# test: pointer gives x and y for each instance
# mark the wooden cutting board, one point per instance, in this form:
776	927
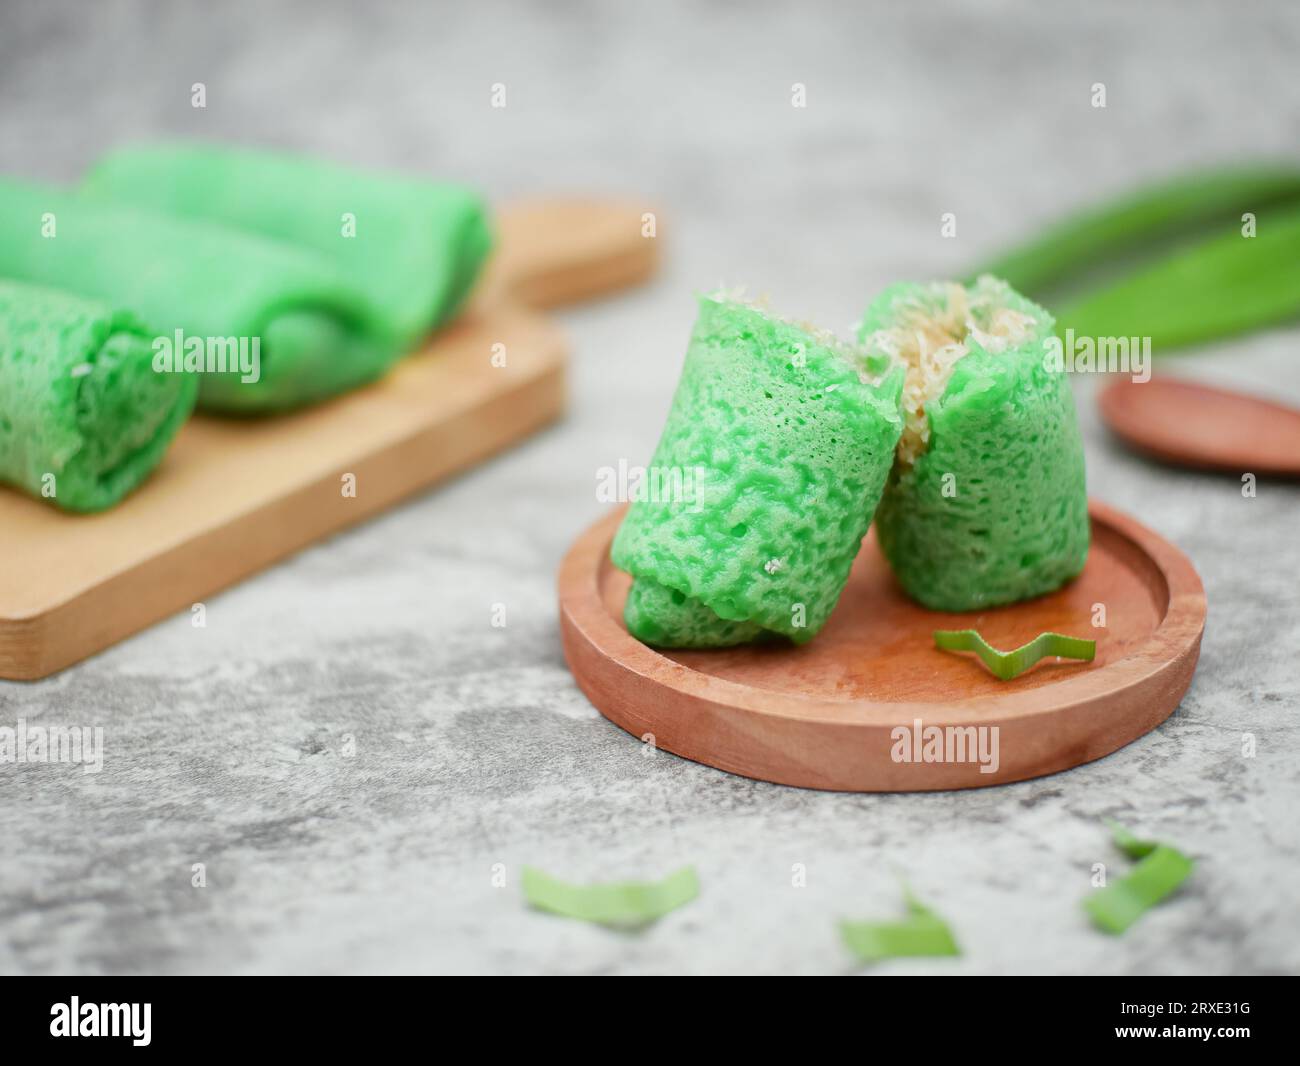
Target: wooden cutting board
231	497
846	710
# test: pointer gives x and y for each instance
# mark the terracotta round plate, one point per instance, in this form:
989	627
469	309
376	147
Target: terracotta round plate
871	705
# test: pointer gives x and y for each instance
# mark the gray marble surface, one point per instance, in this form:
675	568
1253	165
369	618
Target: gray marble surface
225	745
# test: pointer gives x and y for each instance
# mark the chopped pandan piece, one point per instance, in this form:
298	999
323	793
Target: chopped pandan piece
987	504
785	441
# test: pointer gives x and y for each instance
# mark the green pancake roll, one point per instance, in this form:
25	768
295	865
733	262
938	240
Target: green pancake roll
316	335
777	446
667	618
84	418
987	502
414	247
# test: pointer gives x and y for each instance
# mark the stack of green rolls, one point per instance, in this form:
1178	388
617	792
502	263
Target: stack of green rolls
785	446
83	417
267	282
414	248
947	423
318	335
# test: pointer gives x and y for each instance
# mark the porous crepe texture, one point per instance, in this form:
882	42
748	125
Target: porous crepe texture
414	247
789	451
79	398
666	618
319	335
1011	521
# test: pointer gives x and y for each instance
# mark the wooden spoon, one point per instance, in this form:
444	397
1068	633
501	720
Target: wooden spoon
1190	424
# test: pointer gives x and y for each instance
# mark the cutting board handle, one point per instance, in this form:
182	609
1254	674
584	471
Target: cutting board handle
553	252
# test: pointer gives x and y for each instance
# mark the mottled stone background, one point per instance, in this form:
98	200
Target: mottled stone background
474	746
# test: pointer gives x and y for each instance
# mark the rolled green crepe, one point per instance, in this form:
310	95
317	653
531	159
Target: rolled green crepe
773	457
987	503
232	295
83	416
414	247
667	618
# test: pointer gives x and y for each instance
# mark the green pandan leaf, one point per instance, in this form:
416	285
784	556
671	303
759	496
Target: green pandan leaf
1004	665
921	933
1144	221
1225	285
1160	870
1130	845
627	904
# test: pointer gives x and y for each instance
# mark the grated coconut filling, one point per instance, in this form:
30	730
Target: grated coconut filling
934	331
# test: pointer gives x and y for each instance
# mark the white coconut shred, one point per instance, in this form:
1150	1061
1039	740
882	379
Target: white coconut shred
933	331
